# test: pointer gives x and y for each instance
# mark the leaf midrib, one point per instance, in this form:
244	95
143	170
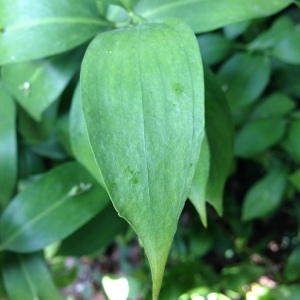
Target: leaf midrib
34	220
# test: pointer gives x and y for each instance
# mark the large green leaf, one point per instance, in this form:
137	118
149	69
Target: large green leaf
146	125
204	15
243	78
265	195
26	277
258	135
51	208
219	131
8	146
37	84
80	143
95	235
32	29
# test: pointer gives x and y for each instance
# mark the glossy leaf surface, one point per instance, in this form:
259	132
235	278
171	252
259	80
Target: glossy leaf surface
203	15
265	196
8	146
51	208
26	277
37	84
146	125
258	135
25	24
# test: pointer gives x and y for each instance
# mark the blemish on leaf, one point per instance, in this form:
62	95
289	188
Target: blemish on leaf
133	175
128	170
25	87
79	189
190	165
113	185
177	88
135	180
109	51
2	29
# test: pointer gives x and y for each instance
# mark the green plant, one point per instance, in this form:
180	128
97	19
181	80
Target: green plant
112	100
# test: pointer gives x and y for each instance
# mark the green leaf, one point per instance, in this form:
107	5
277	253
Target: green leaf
276	104
146	125
32	29
26	277
51	208
259	135
243	78
290	292
127	4
203	15
214	47
63	131
197	191
219	131
288	49
267	39
95	235
295	179
265	195
292	268
80	143
37	132
232	31
8	146
37	84
291	143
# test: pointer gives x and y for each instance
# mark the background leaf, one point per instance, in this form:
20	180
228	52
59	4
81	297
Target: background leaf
95	235
292	268
259	135
28	22
265	195
243	78
141	137
8	146
26	278
51	208
203	15
37	84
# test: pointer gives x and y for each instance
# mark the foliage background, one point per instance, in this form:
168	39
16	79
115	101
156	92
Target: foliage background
251	252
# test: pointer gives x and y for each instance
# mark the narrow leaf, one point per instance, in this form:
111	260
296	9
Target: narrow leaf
219	131
51	208
265	196
37	84
80	143
8	146
295	179
203	15
32	29
26	278
146	125
258	135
